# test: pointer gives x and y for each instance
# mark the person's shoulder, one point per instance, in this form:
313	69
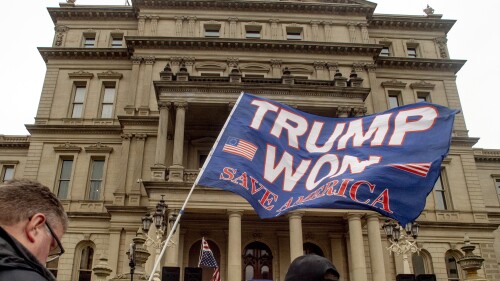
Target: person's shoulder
20	274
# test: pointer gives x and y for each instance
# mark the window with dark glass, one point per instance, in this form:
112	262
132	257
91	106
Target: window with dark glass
85	269
108	100
497	183
418	264
7	173
252	32
451	267
212	30
440	192
96	175
394	99
294	33
422	96
412	52
64	178
78	101
310	248
89	41
385	52
116	41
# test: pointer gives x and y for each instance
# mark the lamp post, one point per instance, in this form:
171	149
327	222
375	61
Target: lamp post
132	260
160	220
403	240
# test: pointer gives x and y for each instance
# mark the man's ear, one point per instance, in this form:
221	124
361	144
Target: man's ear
34	226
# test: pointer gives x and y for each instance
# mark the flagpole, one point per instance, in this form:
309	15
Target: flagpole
181	212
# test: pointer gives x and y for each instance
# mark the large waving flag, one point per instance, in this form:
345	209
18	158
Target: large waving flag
280	159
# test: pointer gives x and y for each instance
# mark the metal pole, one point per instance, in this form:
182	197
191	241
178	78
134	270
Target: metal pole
132	261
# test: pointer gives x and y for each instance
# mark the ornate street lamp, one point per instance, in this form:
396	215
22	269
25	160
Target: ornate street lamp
402	242
160	221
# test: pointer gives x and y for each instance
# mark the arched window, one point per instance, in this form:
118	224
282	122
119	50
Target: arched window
83	262
194	257
422	263
452	268
257	262
311	248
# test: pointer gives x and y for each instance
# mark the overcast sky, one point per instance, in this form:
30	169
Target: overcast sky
27	25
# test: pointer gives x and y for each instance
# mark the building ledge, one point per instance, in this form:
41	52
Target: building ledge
83	53
420	63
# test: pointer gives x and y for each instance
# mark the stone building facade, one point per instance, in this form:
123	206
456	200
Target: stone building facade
135	96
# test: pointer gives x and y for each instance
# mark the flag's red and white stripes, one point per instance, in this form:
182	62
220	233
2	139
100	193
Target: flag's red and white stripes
419	169
216	275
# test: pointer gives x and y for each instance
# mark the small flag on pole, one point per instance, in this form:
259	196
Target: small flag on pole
207	259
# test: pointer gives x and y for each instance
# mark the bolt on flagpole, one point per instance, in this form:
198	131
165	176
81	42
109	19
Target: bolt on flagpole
181	212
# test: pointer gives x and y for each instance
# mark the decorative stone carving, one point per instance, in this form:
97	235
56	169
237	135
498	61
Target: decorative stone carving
429	11
67	147
60	31
141	137
319	65
102	269
364	33
441	43
394	84
359	67
422	85
136	59
109	75
232	62
359	111
178	26
276	63
140	27
149	59
81	75
98	147
371	67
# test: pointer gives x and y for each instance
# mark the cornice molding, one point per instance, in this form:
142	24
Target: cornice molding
109	75
92	12
464	141
98	147
329	7
422	85
394	84
411	23
420	64
487	155
80	75
183	43
83	53
67	147
14	141
74	129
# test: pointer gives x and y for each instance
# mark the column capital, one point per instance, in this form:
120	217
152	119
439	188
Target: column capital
141	137
149	59
126	136
296	214
373	216
232	213
274	20
232	19
164	105
371	67
181	104
315	22
319	64
275	63
351	216
136	59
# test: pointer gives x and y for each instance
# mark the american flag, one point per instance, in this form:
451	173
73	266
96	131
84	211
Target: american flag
240	147
207	259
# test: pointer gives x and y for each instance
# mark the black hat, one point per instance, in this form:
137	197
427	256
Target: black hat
310	268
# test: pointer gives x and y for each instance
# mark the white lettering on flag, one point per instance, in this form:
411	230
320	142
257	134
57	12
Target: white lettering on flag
240	147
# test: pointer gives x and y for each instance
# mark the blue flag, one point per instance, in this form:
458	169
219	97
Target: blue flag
281	159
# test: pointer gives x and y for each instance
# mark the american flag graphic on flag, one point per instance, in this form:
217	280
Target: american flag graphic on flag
240	147
419	169
207	259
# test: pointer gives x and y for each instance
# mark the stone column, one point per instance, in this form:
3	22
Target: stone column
146	85
276	68
158	170
378	99
315	33
274	28
133	87
328	31
177	170
178	26
232	27
338	249
119	194
135	192
234	246
154	25
321	74
191	28
364	33
376	249
352	32
172	254
296	240
141	24
356	245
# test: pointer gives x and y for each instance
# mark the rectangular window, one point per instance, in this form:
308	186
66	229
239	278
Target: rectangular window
64	178
422	96
440	192
394	99
412	52
108	100
89	41
78	100
252	32
116	41
293	33
96	174
7	173
212	31
385	52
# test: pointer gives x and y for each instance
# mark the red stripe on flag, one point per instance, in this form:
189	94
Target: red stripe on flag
419	169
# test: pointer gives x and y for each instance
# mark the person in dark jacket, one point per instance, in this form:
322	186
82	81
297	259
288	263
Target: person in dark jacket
32	223
312	268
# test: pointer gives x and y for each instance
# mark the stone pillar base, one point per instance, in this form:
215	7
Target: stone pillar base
134	199
143	111
129	110
119	199
176	173
158	172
